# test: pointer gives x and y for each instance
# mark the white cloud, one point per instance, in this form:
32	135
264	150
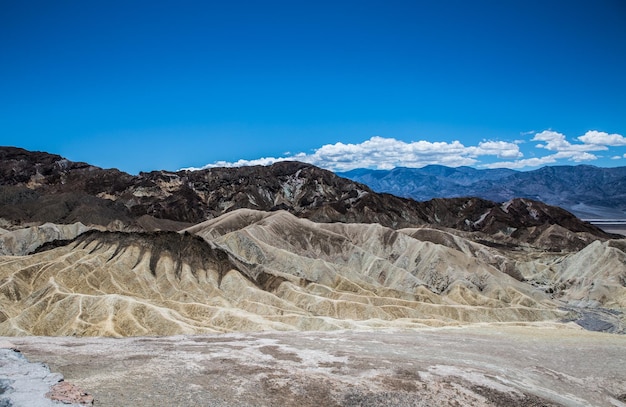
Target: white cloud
601	138
616	157
238	163
564	150
527	162
576	156
555	141
500	149
592	140
387	153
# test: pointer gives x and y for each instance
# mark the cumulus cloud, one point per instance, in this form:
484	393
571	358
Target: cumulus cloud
576	156
601	138
527	162
239	163
500	149
545	160
387	153
555	141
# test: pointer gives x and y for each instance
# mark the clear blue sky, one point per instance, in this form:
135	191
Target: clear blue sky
164	85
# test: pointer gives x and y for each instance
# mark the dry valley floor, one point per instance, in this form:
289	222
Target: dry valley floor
537	364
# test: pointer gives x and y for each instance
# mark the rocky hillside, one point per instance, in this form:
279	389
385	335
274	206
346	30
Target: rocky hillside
38	187
89	251
252	270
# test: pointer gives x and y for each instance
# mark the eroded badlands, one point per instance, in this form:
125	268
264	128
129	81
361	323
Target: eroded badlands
251	270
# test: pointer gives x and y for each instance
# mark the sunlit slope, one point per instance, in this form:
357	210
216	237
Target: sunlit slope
253	270
257	271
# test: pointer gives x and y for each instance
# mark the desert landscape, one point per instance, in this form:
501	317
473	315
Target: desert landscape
301	288
298	204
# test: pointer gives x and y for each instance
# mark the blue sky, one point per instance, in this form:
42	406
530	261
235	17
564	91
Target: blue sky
164	85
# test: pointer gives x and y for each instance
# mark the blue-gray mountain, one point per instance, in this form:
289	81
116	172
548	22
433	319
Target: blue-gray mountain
586	191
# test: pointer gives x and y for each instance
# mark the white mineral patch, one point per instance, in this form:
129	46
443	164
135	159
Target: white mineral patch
25	383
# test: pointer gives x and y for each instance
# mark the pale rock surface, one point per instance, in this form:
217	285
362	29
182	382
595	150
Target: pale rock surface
252	270
594	276
24	241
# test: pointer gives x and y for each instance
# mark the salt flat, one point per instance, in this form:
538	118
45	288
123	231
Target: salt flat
537	364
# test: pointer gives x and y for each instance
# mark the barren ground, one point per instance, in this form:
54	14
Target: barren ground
477	365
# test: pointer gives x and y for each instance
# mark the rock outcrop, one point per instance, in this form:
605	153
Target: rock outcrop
25	241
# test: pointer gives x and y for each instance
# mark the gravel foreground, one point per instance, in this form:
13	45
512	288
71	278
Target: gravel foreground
478	365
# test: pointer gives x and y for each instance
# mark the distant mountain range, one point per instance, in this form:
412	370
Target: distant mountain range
587	191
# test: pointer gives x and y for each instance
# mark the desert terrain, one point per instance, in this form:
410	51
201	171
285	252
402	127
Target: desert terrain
287	285
473	365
